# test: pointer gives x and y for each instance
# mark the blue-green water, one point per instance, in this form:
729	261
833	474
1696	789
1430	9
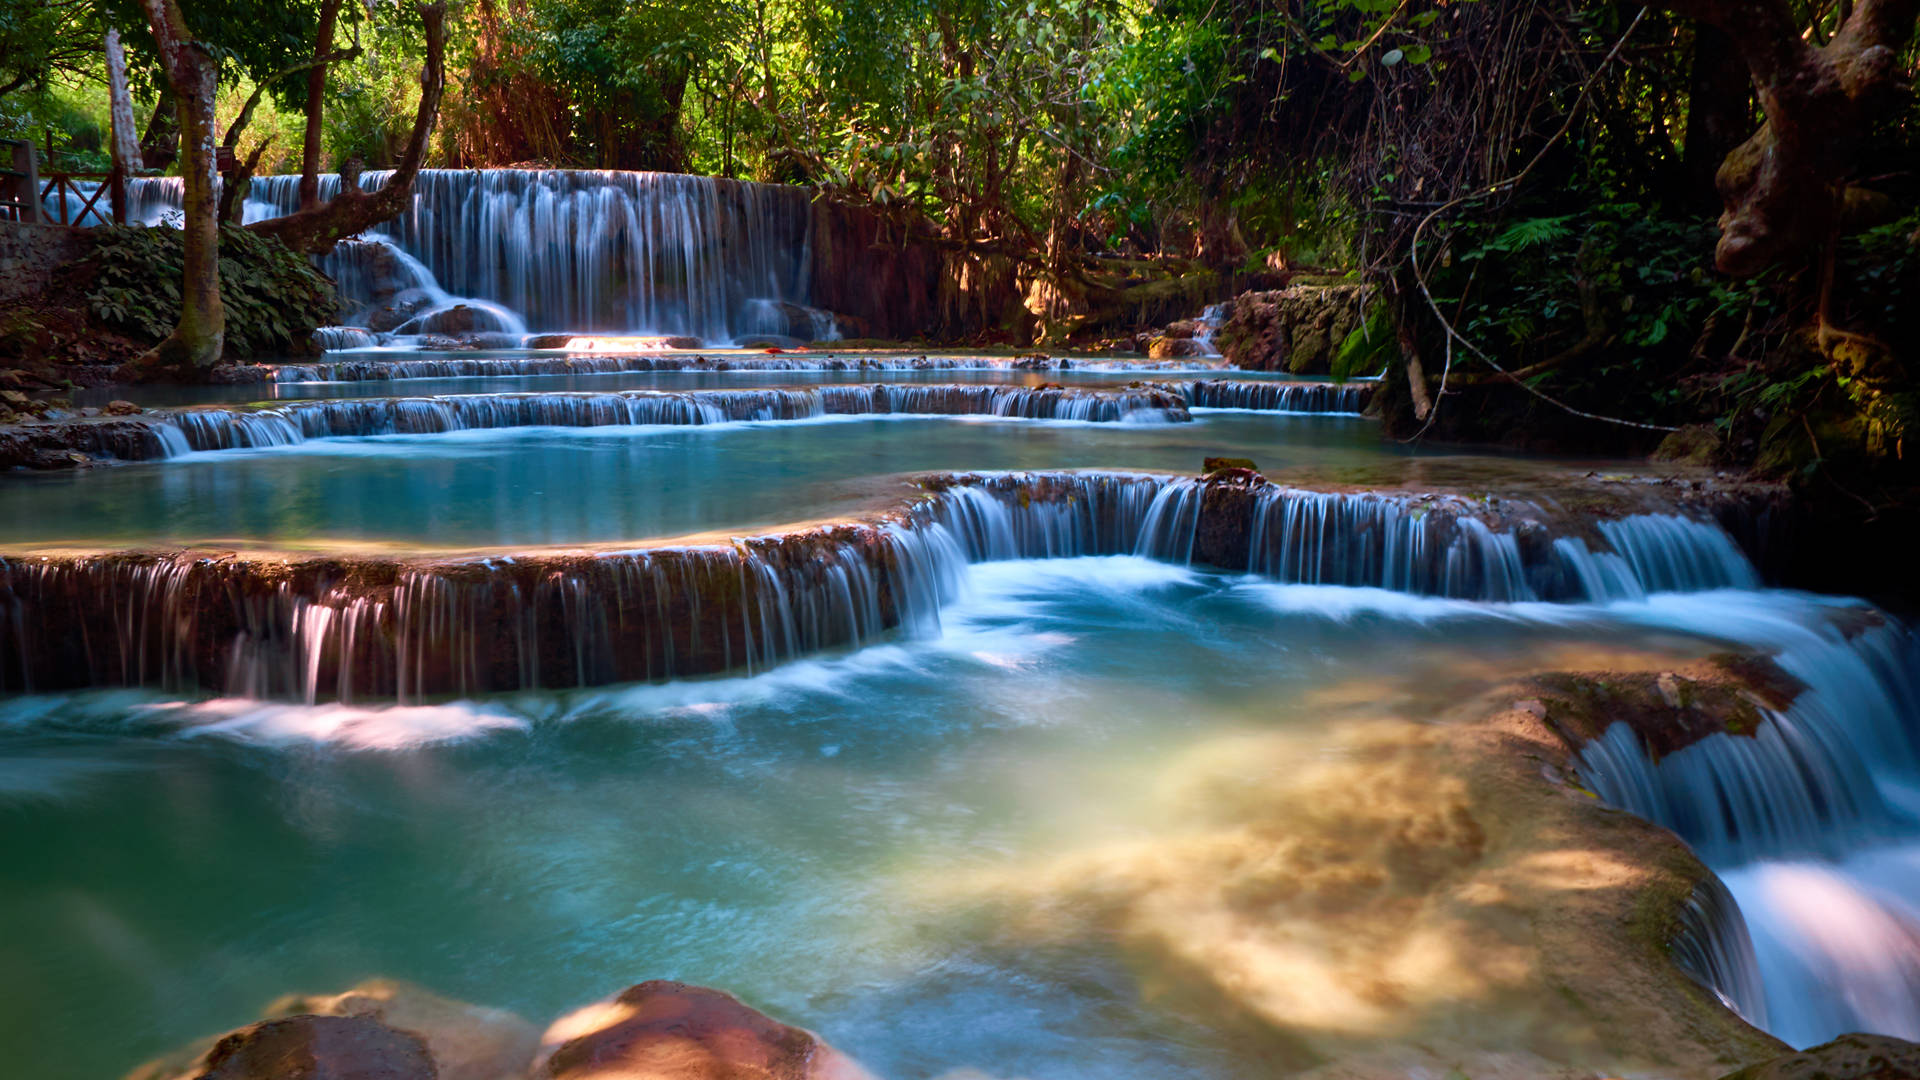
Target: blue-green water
815	839
570	485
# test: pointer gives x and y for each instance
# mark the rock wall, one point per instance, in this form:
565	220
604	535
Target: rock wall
30	253
1297	329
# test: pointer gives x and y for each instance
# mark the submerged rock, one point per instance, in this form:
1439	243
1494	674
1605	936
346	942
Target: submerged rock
1669	710
381	1024
1414	891
319	1048
1849	1057
466	1041
662	1030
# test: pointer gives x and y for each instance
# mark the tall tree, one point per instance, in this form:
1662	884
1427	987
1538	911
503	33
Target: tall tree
316	102
192	76
1784	186
316	229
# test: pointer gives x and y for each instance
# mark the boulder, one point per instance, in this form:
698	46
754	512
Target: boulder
1171	348
681	341
1694	444
1849	1057
1296	329
549	341
381	1016
391	315
467	1042
121	408
319	1048
662	1030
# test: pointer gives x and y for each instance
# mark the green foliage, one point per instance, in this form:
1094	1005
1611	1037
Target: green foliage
1369	347
274	298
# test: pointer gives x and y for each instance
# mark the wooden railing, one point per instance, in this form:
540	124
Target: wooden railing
28	195
60	190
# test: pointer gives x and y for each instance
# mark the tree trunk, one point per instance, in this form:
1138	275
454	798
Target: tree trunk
125	143
1719	112
315	230
316	100
191	74
159	144
1782	187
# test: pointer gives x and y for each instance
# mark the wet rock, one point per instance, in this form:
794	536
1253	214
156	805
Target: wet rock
239	374
1670	710
120	408
384	318
549	341
662	1030
1216	464
677	341
1185	328
466	1041
319	1048
1297	329
77	443
1695	444
1849	1057
1172	348
769	341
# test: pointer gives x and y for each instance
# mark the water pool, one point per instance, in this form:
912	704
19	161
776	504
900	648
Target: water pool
565	485
832	839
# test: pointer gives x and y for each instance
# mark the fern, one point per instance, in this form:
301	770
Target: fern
1532	232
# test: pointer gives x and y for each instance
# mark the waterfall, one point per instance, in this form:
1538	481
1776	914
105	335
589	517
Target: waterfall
165	434
1714	947
410	627
656	253
1809	819
1291	397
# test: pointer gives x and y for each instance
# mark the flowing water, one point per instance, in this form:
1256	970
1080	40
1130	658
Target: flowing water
836	771
792	834
562	485
577	250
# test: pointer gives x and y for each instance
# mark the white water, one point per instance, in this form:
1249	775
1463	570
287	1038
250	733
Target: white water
577	250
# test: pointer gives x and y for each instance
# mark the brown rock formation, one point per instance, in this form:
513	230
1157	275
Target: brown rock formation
319	1048
466	1041
663	1030
1296	329
1849	1057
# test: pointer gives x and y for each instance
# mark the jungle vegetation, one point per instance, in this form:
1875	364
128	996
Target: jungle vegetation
1588	224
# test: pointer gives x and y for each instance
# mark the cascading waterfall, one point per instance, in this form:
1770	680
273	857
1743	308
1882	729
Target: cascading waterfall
459	367
1811	818
412	628
1292	397
582	250
1812	813
1714	947
170	434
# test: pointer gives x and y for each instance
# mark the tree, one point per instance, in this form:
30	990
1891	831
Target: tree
191	73
1784	186
44	39
316	229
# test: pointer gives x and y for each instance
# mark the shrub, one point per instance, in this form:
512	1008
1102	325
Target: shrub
274	299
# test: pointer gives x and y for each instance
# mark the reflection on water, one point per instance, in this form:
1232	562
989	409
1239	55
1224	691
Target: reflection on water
166	394
793	837
545	485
